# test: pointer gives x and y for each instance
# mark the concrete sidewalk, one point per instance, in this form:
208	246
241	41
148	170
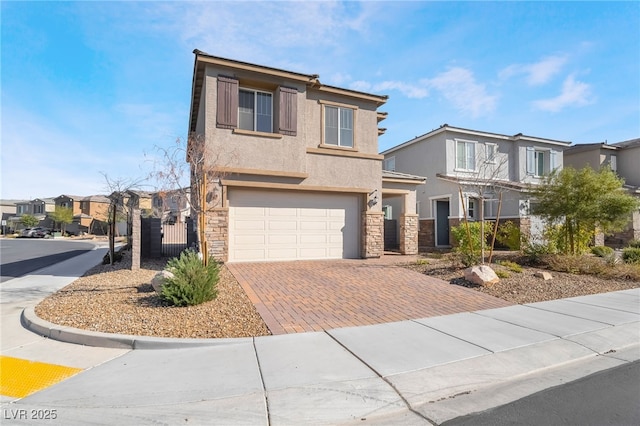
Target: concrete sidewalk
410	372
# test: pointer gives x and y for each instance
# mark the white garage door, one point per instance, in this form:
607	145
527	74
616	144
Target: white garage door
270	225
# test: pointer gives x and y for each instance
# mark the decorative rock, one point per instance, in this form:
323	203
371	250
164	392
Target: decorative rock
544	275
159	279
481	275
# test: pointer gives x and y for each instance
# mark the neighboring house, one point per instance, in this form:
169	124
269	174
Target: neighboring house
172	206
89	213
8	210
38	207
300	173
624	159
481	165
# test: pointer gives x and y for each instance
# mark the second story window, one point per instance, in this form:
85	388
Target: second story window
37	209
255	111
491	151
338	126
465	155
389	164
613	162
539	162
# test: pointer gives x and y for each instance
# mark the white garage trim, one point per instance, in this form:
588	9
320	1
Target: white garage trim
292	225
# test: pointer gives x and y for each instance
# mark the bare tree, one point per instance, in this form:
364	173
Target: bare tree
192	170
487	182
118	189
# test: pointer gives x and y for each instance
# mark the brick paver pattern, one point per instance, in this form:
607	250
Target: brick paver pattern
304	296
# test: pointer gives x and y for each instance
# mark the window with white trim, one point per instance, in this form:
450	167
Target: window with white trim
471	209
465	155
491	150
338	126
537	165
255	110
389	164
613	162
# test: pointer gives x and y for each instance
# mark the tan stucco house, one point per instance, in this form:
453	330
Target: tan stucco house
301	177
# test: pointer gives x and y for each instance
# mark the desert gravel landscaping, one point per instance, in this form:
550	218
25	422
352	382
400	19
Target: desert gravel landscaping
114	299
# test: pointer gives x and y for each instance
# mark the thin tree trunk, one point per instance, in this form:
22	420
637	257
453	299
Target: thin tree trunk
495	229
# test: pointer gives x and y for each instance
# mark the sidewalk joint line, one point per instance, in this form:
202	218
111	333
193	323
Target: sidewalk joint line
387	381
264	388
455	337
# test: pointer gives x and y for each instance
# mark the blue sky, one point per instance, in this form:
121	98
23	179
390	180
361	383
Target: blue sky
90	87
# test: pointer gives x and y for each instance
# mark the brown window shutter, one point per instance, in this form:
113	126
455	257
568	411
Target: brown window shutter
227	114
288	111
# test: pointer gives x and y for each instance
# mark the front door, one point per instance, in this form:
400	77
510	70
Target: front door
442	223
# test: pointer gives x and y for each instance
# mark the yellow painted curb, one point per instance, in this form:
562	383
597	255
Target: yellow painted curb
21	377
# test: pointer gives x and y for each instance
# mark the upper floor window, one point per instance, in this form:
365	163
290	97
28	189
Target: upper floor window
338	126
465	155
255	111
22	209
613	162
37	209
491	151
389	164
541	162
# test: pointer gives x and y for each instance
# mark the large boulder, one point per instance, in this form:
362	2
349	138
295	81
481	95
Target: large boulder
158	281
481	275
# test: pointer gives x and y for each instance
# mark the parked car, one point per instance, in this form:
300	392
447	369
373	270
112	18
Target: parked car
36	232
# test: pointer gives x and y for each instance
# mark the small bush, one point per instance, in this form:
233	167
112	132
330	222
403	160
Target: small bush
508	235
501	273
469	255
631	255
535	252
602	251
512	266
193	283
634	243
422	262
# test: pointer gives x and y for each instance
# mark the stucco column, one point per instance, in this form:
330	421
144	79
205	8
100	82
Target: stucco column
409	233
372	234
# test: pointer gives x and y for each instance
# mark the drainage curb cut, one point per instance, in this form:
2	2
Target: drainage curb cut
32	322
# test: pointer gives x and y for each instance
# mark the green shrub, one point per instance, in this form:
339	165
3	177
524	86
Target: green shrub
513	266
634	243
192	283
631	255
469	255
501	273
535	252
508	235
602	251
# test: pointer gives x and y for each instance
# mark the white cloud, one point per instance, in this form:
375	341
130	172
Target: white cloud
537	73
574	93
418	91
459	87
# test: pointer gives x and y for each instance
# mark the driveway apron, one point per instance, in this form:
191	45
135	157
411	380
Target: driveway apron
304	296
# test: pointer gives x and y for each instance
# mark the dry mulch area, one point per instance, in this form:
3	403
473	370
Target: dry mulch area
522	287
114	299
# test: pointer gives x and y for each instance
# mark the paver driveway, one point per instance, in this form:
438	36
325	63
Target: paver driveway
304	296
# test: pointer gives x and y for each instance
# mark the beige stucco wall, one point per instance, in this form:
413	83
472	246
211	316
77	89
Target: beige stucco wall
289	154
629	165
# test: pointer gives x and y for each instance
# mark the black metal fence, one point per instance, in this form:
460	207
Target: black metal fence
165	240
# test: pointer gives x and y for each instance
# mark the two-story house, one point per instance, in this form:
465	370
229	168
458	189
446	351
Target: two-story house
624	159
468	172
38	207
300	173
172	206
89	213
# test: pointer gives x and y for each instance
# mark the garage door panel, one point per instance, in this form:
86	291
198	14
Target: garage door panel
280	225
283	239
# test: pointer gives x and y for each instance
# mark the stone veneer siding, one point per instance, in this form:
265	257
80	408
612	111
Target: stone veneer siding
409	234
372	243
217	233
136	239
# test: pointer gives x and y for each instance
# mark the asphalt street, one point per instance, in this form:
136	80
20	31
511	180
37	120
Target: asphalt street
610	397
19	257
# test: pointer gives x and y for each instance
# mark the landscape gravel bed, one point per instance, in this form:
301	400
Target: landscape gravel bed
114	299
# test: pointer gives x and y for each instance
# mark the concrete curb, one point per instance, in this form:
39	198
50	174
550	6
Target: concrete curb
35	324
